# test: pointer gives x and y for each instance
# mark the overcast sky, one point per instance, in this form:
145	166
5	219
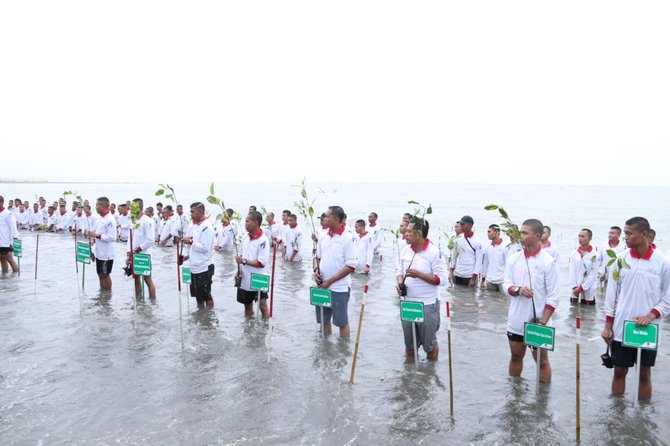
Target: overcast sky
478	92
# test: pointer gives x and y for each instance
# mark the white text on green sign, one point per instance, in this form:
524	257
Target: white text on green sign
18	248
260	282
186	275
320	297
540	336
142	264
411	311
645	337
83	252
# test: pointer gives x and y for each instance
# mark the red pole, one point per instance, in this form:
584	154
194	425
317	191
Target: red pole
132	269
272	279
76	264
37	248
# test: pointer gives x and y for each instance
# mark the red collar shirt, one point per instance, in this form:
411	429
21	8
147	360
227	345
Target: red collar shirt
642	289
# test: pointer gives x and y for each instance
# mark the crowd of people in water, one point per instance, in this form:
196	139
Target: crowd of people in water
635	274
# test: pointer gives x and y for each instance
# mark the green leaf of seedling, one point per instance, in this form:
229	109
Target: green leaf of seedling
611	262
211	189
491	207
212	200
625	265
412	202
611	253
218	217
303	192
615	274
429	210
503	213
160	192
311	211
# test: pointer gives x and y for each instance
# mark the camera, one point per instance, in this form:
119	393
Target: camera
403	289
607	359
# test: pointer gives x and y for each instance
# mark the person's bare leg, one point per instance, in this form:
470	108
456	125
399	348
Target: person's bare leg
619	380
345	331
263	305
249	309
545	367
518	351
434	353
151	287
644	393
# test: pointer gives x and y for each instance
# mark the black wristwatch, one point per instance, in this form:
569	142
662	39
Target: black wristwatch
517	291
244	261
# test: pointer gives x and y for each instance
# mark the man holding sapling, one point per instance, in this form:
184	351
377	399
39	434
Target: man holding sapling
104	236
141	242
583	270
293	240
639	290
468	263
253	258
422	271
200	236
337	260
532	282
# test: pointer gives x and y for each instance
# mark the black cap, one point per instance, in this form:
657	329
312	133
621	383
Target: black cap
466	219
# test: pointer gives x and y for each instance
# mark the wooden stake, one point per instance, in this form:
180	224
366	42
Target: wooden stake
358	334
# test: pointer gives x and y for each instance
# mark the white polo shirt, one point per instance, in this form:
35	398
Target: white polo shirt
105	225
428	260
364	247
23	219
493	266
124	222
545	282
583	268
643	288
143	237
293	243
336	251
552	251
8	231
470	256
200	256
254	248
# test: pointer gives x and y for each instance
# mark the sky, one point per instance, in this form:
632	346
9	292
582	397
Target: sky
523	92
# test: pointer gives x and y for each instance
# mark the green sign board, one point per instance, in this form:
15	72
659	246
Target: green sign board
186	275
260	282
411	311
83	252
320	297
645	337
18	248
142	264
540	336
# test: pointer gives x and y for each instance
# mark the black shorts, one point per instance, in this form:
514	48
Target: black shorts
461	280
5	249
247	297
513	337
201	284
104	267
627	356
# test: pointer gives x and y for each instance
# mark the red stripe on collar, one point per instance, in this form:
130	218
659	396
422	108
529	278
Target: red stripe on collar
647	256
